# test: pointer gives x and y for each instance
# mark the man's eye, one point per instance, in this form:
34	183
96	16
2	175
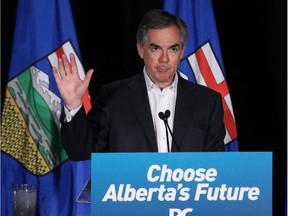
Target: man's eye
174	49
155	49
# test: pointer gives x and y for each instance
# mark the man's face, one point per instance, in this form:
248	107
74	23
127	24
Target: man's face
162	53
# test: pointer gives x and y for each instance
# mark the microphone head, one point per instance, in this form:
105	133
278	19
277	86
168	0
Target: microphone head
167	113
161	115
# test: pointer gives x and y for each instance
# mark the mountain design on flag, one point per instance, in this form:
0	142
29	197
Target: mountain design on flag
30	123
30	129
207	72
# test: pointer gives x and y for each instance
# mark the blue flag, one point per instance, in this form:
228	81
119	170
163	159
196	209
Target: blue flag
202	61
31	151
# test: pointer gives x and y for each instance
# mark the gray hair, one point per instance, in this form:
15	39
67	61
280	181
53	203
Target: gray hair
159	19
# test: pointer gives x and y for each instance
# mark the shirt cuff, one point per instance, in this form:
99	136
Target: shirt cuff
71	113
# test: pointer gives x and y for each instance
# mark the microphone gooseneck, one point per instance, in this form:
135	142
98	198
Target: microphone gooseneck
164	117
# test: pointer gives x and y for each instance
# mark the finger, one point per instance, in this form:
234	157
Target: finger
66	64
73	64
61	68
56	74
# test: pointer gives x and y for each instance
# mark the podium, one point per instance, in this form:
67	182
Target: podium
178	184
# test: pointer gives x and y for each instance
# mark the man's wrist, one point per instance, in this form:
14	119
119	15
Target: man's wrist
71	113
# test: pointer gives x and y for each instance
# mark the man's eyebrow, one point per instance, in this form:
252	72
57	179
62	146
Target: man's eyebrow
172	46
175	45
154	45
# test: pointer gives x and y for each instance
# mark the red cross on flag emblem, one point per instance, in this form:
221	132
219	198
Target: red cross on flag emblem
207	72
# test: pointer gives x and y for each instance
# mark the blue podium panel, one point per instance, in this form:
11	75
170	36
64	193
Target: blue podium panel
178	184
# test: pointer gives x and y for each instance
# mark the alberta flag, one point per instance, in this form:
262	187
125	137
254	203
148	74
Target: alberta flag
202	61
31	151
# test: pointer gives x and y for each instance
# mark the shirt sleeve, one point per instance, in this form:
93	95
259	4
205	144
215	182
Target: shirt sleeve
69	114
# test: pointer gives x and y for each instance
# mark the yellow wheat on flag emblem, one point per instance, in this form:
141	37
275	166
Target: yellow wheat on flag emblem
17	141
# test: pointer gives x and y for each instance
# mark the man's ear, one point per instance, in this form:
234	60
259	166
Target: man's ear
140	50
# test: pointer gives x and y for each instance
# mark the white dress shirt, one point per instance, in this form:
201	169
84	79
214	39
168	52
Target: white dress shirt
160	101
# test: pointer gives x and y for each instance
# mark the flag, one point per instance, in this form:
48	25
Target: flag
31	151
202	60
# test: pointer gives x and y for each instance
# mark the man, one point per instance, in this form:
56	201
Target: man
124	116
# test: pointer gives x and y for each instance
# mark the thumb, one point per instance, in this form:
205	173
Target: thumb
88	77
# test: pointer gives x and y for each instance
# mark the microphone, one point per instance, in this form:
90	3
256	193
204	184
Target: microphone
164	117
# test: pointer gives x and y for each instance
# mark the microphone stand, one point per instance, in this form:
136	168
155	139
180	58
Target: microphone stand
166	126
165	117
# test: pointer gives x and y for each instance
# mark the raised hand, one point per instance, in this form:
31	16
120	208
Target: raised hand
70	86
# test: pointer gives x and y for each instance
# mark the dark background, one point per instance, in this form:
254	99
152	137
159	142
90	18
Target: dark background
253	38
